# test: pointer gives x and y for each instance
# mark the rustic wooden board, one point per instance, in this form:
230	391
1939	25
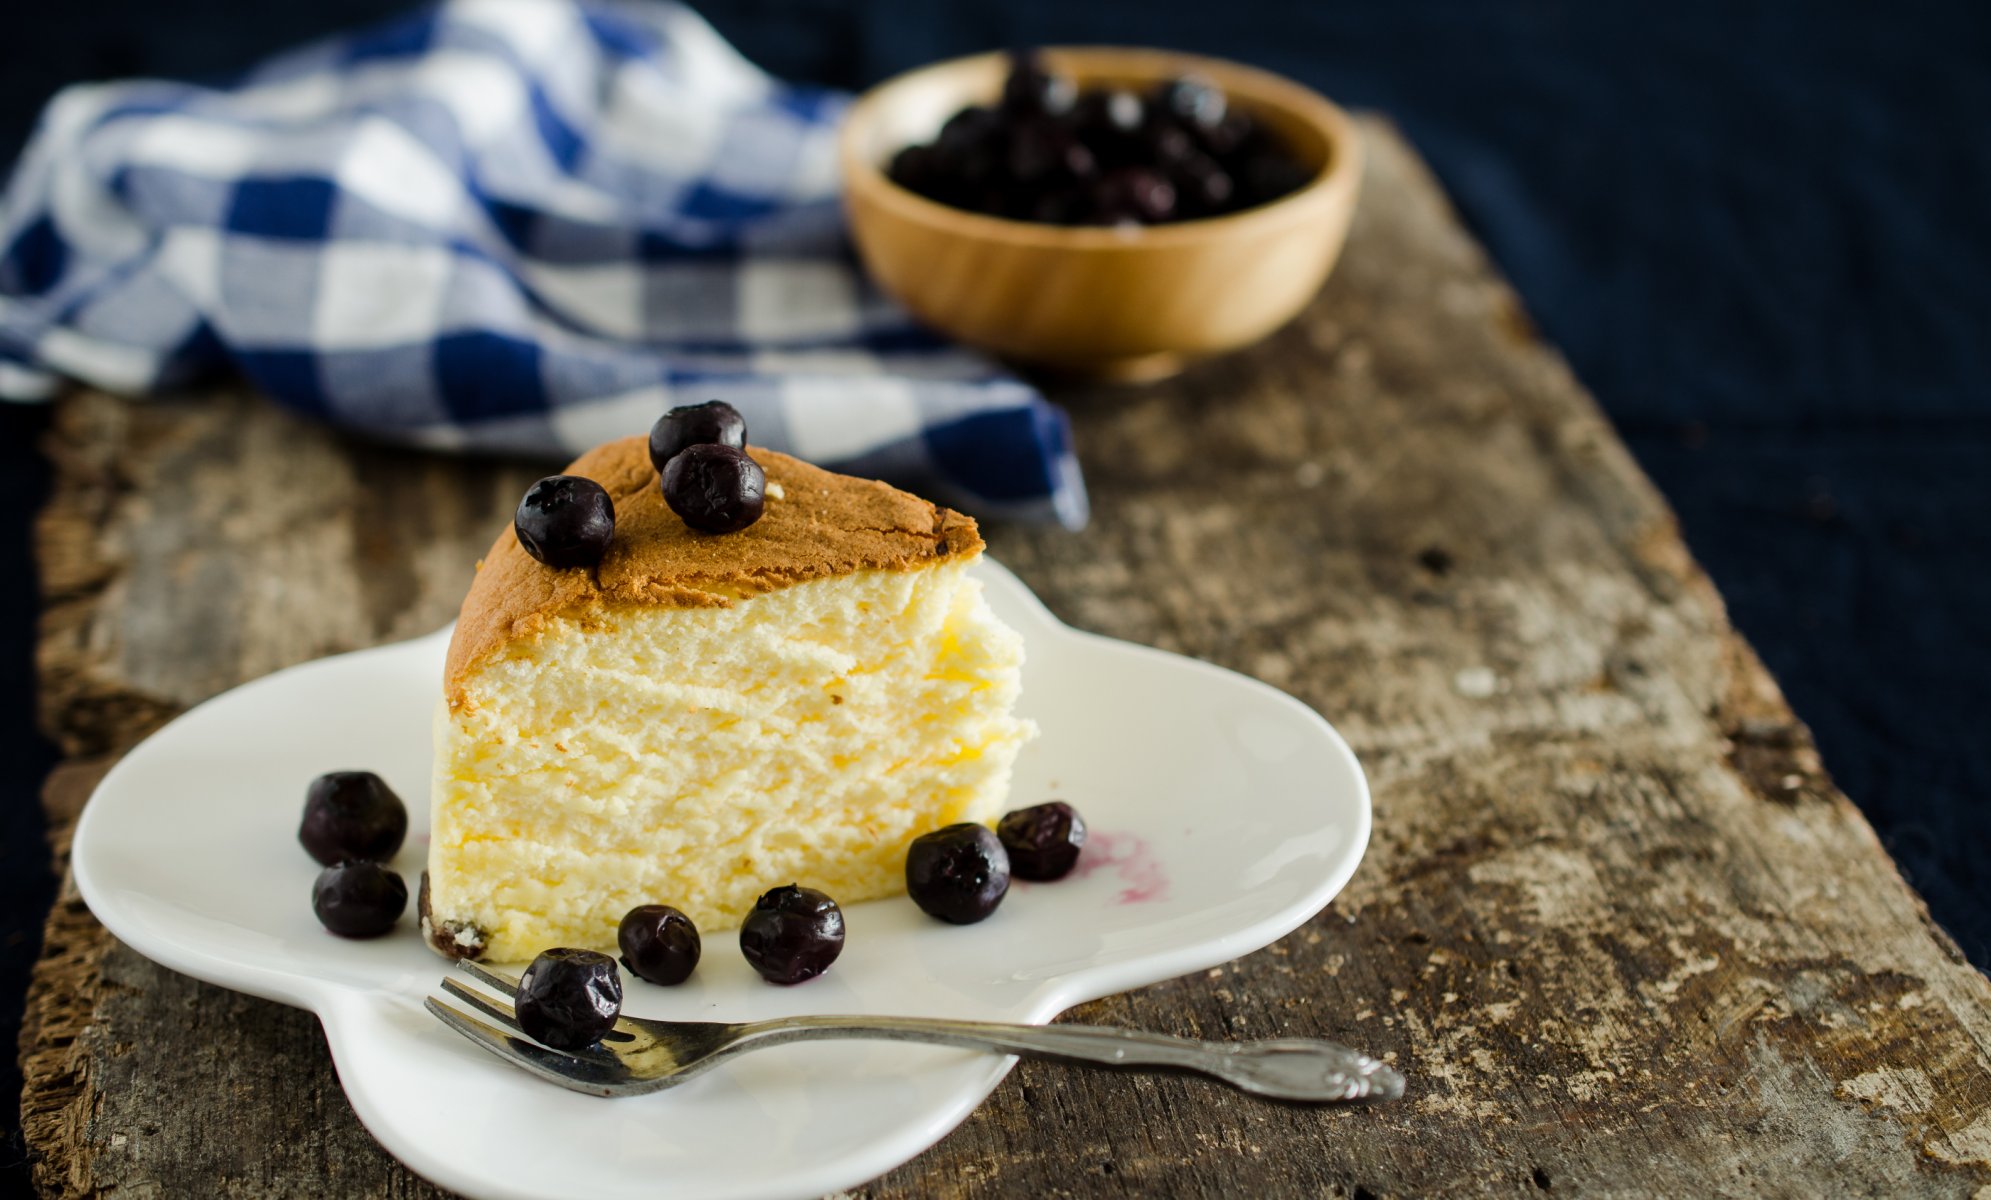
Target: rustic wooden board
1617	926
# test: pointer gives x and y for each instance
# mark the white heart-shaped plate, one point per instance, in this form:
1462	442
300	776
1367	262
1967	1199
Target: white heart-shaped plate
1223	813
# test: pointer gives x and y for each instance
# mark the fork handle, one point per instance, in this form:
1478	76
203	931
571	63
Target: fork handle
1307	1070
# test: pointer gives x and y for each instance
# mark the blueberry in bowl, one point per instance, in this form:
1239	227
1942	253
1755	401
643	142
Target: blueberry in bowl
1051	153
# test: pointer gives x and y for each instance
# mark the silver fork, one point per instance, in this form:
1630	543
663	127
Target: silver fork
640	1056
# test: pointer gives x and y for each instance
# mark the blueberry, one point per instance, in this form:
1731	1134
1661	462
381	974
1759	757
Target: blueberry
965	132
1106	156
994	200
1165	144
1043	840
659	944
1269	175
568	998
977	170
1114	110
792	935
565	521
1058	207
1018	201
1110	124
917	169
358	899
717	489
1032	89
352	815
1231	134
1132	194
1202	188
1193	100
958	874
715	422
1040	152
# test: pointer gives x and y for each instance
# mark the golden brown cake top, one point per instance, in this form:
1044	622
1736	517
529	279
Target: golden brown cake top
817	524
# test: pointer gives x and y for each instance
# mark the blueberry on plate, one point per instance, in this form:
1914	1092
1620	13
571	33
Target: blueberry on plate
958	874
659	944
715	489
714	422
352	815
1043	840
568	998
358	899
792	935
565	521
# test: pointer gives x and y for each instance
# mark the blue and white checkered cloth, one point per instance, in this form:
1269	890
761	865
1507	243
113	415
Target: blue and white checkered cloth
508	226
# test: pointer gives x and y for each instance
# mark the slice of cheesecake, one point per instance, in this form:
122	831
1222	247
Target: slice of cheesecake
703	717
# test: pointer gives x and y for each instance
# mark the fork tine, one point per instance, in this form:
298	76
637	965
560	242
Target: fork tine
488	977
596	1078
503	1014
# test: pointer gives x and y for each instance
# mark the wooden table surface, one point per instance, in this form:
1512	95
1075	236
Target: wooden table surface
1615	924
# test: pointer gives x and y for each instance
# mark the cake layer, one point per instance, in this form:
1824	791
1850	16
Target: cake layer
817	525
699	755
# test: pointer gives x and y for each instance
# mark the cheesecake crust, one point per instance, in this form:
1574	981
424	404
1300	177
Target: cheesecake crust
817	524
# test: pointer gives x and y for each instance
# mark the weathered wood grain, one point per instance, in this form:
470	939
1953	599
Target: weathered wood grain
1618	927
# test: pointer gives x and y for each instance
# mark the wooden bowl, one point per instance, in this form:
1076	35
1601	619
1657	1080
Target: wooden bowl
1117	303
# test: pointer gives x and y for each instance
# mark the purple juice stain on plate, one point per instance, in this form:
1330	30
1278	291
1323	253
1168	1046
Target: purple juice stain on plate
1143	879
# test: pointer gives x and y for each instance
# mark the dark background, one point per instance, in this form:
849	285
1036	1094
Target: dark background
1761	234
